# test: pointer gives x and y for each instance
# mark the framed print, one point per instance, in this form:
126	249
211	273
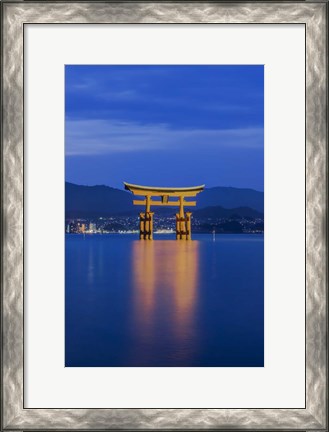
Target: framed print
164	223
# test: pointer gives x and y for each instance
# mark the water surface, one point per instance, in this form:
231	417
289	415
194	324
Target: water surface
164	302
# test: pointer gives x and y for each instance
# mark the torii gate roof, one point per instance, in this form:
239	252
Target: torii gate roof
172	191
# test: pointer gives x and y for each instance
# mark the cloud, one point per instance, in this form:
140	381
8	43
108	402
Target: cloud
96	90
101	137
123	95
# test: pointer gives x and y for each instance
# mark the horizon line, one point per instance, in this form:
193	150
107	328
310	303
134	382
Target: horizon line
117	188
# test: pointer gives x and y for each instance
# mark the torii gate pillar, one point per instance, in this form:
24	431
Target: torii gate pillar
183	222
146	226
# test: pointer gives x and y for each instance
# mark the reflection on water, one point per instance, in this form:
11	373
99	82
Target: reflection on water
165	283
164	302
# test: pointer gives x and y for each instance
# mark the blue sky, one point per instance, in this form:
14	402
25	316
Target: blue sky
165	125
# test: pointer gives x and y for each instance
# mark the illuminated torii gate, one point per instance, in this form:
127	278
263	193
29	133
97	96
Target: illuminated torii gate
183	220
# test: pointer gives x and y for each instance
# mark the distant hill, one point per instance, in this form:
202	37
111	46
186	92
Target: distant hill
229	197
218	212
96	201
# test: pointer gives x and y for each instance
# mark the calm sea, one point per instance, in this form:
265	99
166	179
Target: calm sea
164	302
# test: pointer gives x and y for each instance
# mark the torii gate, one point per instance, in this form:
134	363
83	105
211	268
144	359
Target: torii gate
183	220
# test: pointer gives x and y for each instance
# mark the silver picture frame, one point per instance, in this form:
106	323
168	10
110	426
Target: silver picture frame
314	15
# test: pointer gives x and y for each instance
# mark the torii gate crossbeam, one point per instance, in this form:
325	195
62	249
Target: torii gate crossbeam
183	220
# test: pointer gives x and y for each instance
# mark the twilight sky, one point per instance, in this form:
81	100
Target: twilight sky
165	125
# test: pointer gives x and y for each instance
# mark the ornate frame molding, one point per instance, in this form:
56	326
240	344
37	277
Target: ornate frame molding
315	15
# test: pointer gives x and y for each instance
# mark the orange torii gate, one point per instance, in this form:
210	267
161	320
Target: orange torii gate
183	220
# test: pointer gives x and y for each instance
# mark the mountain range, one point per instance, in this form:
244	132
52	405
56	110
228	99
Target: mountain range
219	212
104	201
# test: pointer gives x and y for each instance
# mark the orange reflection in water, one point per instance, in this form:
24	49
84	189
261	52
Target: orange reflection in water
165	277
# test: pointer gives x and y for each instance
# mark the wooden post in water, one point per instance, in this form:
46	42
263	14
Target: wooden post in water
148	229
178	231
181	218
150	226
188	226
141	225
